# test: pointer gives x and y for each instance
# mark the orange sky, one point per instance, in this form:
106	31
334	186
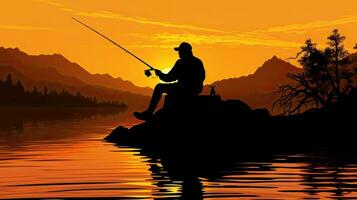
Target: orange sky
232	37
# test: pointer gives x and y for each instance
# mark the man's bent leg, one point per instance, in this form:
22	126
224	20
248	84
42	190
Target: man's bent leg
156	96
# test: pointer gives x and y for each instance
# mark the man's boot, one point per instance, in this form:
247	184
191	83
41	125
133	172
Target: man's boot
146	115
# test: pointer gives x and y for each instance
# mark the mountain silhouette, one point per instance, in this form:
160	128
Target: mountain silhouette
257	89
56	67
57	72
43	71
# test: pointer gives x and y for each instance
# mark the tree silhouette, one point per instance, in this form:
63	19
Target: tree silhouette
19	87
45	91
8	82
15	95
337	55
326	77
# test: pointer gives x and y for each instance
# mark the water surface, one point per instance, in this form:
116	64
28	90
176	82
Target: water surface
64	156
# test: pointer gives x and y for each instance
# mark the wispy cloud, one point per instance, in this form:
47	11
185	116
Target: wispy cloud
140	20
112	15
264	37
217	36
293	28
163	46
52	3
25	28
240	39
211	36
255	38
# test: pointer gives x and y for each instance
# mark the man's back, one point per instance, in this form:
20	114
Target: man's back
189	73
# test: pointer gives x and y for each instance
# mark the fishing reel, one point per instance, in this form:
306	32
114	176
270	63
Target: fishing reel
148	72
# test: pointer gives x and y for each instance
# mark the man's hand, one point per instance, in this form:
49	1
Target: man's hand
158	72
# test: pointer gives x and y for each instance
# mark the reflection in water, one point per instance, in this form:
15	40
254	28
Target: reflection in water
13	118
65	157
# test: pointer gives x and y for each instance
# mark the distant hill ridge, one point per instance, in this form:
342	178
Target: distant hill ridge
56	67
54	71
257	89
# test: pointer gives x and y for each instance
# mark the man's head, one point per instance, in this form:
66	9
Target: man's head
184	50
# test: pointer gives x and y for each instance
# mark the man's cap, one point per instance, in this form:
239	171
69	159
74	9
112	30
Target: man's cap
184	46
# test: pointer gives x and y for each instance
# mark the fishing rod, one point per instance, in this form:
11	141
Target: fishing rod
147	72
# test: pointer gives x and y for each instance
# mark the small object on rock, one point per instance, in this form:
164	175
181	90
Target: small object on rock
212	92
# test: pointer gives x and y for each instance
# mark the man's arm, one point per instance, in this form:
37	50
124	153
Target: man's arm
169	77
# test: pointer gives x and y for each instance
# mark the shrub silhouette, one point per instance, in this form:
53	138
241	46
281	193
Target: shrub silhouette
326	77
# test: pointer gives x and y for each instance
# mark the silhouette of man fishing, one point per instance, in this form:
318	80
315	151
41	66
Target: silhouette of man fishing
189	74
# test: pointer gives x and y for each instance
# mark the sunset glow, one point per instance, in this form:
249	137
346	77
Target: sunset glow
233	37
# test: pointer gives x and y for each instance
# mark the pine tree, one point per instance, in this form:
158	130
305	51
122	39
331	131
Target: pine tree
35	90
45	91
8	82
338	55
78	94
19	87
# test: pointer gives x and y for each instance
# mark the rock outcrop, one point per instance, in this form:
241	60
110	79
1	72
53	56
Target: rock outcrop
206	122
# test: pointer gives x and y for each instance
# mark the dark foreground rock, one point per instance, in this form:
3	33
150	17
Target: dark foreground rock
206	137
206	123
